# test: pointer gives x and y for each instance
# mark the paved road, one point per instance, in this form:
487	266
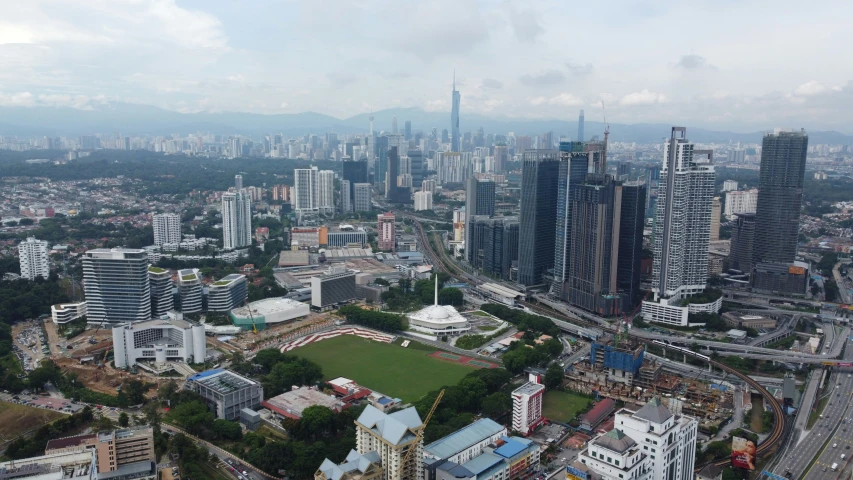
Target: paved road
843	289
811	443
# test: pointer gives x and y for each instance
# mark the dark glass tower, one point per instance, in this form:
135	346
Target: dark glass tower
780	196
356	172
632	220
381	165
743	238
454	118
479	200
418	166
539	190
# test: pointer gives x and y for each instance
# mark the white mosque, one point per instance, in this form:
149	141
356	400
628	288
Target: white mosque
438	319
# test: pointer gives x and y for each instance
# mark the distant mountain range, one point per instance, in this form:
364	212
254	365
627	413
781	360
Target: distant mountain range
132	119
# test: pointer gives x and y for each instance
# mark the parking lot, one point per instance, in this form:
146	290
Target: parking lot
29	344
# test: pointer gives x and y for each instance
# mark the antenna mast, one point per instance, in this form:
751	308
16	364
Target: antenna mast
606	135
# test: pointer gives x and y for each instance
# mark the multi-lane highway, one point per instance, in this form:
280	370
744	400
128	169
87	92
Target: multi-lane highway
832	428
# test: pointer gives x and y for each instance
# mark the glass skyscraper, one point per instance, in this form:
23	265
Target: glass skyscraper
454	118
539	189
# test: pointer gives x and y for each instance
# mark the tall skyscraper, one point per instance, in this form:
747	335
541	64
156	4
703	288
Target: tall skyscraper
682	226
479	200
346	196
394	125
501	157
116	285
238	182
496	244
354	171
160	284
313	191
743	239
391	436
361	197
780	196
236	220
577	159
380	166
190	290
407	131
326	192
418	165
683	219
716	212
580	127
454	118
32	255
386	231
539	189
633	218
167	228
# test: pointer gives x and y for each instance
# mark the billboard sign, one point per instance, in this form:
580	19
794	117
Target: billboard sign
743	453
573	473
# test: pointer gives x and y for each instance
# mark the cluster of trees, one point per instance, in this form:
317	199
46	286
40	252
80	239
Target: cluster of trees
23	299
24	447
483	391
279	371
61	229
388	322
712	321
527	353
469	342
406	296
522	320
132	392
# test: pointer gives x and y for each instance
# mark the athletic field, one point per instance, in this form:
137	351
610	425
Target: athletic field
406	373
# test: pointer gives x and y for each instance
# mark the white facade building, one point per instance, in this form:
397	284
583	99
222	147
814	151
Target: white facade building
167	228
729	185
391	436
159	341
527	407
313	191
682	227
423	201
228	293
67	312
361	197
190	290
438	320
116	285
32	254
741	201
161	285
616	456
466	443
236	220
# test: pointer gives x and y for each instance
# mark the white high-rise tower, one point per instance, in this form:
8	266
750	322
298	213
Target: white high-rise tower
167	228
236	220
117	285
32	254
313	191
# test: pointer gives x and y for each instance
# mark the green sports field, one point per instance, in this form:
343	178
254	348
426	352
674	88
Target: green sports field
562	406
406	373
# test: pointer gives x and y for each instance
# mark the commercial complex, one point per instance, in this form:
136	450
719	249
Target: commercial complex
167	228
190	290
647	443
743	238
777	215
493	244
681	229
159	341
32	255
116	285
335	287
161	286
268	311
67	312
225	392
391	436
479	200
527	407
539	179
354	171
386	231
227	293
236	219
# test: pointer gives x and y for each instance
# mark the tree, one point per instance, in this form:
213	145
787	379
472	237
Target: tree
227	430
496	403
123	420
450	296
317	422
26	221
192	416
554	376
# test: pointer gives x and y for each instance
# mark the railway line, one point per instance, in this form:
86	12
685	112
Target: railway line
441	262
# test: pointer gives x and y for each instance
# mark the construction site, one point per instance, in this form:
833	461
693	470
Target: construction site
617	369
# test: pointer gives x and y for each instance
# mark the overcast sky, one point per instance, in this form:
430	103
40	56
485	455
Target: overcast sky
739	64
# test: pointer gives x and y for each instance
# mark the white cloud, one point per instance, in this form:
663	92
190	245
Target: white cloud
812	88
643	97
566	100
22	99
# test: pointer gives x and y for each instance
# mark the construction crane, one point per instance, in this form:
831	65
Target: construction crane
414	445
622	330
251	317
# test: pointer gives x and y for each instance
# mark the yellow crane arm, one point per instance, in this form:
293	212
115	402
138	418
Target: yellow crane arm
420	435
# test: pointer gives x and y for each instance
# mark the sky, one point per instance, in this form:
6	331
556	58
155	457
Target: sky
736	64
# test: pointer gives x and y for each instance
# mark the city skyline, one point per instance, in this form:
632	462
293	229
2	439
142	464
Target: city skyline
731	80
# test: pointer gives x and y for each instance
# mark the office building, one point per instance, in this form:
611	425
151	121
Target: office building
167	228
466	443
161	285
729	186
361	195
391	436
347	195
454	167
380	165
527	407
114	454
480	201
355	467
228	293
116	285
737	155
501	158
159	341
580	127
236	220
226	393
741	201
355	171
407	130
632	220
454	118
190	290
347	236
423	201
335	287
780	278
716	212
743	238
417	164
594	244
539	188
682	223
238	182
494	244
33	258
62	313
649	443
386	231
313	191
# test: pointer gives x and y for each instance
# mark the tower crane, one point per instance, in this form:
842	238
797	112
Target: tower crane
414	446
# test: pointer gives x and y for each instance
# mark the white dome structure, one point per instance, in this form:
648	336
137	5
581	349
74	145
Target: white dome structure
438	319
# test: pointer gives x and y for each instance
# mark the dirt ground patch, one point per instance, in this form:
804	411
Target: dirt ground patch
104	380
18	419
